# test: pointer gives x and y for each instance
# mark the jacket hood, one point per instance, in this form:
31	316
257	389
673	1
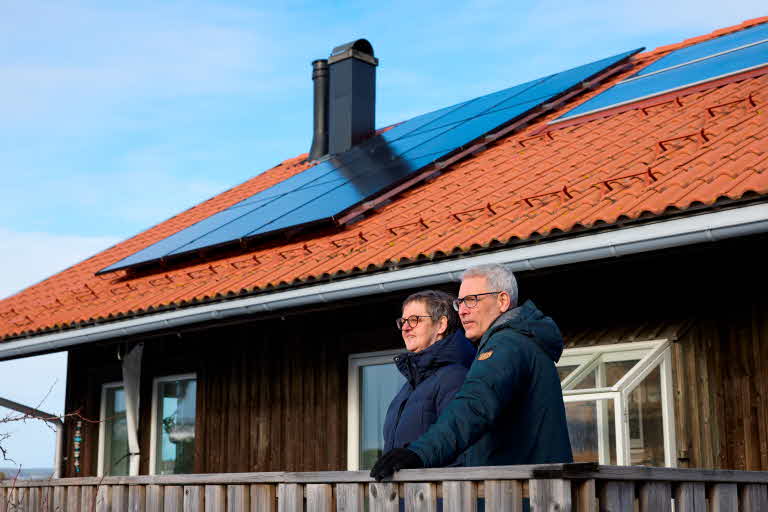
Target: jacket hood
453	349
529	321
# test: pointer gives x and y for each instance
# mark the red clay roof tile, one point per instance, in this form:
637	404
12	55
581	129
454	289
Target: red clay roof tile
693	148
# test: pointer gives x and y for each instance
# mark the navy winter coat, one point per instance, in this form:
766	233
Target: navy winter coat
510	409
432	378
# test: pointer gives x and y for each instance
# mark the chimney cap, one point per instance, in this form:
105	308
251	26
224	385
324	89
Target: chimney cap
361	45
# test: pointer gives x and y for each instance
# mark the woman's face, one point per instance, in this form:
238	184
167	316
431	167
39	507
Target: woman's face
426	332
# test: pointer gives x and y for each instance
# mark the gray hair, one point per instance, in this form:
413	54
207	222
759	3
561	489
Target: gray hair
498	277
438	303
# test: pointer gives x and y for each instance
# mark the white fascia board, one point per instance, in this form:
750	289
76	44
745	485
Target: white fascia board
692	229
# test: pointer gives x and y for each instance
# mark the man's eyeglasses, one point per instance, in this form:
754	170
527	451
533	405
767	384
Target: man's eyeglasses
412	321
470	300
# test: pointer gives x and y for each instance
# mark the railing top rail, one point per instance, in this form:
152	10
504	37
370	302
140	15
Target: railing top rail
577	471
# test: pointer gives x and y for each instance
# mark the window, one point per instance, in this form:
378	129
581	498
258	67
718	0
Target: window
173	425
632	378
113	432
373	383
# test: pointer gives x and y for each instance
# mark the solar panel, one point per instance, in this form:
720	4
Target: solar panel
334	186
683	68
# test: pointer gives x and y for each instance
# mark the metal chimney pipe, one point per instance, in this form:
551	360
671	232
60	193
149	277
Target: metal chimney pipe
320	134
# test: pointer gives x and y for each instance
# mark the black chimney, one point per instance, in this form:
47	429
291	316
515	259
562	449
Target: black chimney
320	135
352	98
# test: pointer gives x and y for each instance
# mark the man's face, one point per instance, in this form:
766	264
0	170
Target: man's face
478	319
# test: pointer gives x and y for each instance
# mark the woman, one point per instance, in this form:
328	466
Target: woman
434	367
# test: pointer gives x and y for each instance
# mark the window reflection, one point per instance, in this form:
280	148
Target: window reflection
646	427
588	422
175	449
115	433
378	386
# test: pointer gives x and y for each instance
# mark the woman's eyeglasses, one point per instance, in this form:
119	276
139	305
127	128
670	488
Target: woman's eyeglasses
412	321
470	300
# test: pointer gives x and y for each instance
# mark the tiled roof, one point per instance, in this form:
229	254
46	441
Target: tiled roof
691	150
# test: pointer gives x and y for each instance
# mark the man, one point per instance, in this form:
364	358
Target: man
510	408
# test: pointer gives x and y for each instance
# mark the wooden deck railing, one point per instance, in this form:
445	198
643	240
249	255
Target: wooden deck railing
552	487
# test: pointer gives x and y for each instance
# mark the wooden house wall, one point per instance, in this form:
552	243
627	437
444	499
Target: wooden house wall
272	392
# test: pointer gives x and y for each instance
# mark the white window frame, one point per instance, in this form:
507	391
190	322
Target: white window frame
650	354
102	424
153	429
356	362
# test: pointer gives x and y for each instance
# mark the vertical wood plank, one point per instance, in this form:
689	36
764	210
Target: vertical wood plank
238	498
550	495
33	500
319	498
104	499
46	499
655	497
459	496
173	498
349	497
137	498
263	498
154	498
215	498
3	499
585	495
724	498
617	496
194	500
753	497
88	498
503	495
59	499
421	497
119	498
383	497
290	498
73	499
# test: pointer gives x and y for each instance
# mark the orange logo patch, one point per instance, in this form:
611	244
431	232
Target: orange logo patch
485	355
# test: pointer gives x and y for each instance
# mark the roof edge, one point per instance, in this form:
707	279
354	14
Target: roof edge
694	229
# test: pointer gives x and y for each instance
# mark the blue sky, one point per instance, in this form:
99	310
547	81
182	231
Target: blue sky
116	116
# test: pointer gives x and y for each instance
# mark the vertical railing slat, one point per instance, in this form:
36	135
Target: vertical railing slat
119	498
137	498
104	499
73	498
420	497
753	497
349	497
503	495
88	498
690	497
584	495
655	497
319	498
173	498
215	498
550	495
46	499
154	498
290	498
33	500
263	498
238	498
383	497
724	498
59	498
617	496
3	499
459	496
194	500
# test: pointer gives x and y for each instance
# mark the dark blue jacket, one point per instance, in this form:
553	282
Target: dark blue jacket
510	409
432	378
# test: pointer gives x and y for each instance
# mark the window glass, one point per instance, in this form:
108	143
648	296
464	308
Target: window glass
615	370
646	427
591	423
379	384
175	449
564	371
115	433
586	381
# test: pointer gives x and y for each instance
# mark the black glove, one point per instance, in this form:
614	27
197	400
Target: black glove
395	460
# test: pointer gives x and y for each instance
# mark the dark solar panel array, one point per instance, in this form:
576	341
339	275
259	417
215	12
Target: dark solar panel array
333	186
695	64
